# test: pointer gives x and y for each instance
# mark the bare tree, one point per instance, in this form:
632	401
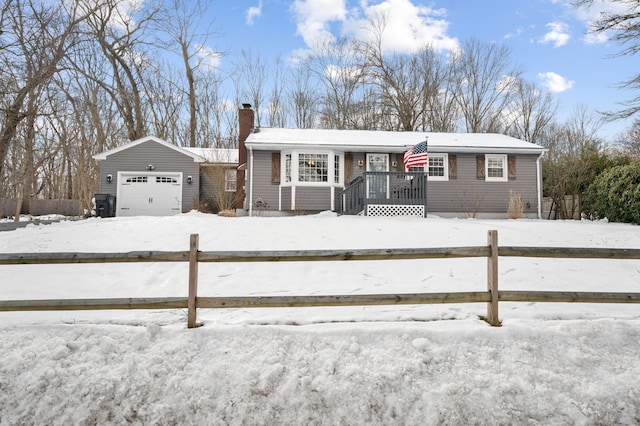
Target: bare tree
531	112
182	20
625	28
250	86
484	84
402	82
575	151
303	96
36	38
276	107
123	41
340	70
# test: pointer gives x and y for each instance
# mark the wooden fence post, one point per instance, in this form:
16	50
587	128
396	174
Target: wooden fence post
193	281
492	278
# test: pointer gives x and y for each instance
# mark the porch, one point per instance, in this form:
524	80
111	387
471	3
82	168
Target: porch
385	194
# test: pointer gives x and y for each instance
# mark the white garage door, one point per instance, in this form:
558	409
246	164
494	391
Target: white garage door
149	194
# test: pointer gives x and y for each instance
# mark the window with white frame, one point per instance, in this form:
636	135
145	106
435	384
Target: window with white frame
496	168
438	167
230	176
312	168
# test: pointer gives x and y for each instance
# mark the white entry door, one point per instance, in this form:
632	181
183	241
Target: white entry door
149	194
377	185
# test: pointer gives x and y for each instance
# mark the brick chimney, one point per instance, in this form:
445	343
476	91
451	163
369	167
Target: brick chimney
245	126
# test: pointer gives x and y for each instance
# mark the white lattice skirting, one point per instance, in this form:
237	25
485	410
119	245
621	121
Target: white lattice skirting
394	210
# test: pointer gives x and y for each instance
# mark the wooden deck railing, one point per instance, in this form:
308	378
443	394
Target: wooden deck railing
492	296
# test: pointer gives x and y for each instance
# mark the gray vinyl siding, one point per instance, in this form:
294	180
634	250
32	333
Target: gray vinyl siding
262	185
308	198
467	194
313	198
136	158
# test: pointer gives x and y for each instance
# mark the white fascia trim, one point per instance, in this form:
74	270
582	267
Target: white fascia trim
105	154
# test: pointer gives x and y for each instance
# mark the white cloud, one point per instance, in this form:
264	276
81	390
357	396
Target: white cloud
558	34
595	10
408	26
253	12
314	17
209	57
555	83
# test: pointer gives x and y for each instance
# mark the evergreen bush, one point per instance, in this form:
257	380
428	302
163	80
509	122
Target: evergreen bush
615	195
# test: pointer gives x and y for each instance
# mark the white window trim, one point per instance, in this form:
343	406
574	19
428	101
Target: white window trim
505	168
445	158
330	168
227	181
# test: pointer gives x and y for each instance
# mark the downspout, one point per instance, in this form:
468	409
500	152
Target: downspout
250	181
539	178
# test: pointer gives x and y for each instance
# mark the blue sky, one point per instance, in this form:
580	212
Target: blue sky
548	38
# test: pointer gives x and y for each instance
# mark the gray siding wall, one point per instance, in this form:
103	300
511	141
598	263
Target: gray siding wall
313	198
262	186
164	159
467	194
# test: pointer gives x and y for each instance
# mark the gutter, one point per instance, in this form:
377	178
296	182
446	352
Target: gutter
539	183
250	181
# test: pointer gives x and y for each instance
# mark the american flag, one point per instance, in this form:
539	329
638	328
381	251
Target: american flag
416	156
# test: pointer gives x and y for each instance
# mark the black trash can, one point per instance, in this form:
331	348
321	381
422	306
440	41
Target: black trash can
105	205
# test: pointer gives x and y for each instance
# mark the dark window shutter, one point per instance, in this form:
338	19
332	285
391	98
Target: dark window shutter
511	163
453	166
348	168
275	168
480	167
400	162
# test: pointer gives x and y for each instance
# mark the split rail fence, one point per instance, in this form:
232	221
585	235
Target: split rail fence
194	256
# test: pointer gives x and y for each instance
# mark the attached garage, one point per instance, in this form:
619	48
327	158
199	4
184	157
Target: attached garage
150	177
149	194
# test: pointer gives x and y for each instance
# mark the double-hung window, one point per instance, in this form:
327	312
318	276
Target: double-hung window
437	167
496	168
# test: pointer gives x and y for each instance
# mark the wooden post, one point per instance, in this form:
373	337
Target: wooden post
193	281
492	279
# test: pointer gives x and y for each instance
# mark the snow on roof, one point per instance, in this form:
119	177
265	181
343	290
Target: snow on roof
270	138
216	155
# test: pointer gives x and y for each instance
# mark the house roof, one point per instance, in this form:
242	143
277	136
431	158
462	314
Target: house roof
216	155
105	154
383	141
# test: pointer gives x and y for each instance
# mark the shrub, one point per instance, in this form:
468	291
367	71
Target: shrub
615	195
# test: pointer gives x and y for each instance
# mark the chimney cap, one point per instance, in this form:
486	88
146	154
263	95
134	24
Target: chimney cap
246	106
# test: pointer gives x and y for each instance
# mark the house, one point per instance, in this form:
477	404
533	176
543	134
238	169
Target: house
362	172
152	177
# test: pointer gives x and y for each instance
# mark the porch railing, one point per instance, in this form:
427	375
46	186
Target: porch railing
390	188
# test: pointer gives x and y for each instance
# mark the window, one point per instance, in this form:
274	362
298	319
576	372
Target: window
496	168
166	179
287	168
230	176
312	168
137	179
438	167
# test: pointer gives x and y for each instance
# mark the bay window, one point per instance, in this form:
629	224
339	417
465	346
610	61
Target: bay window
313	168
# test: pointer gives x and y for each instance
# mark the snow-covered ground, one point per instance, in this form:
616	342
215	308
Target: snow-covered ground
438	364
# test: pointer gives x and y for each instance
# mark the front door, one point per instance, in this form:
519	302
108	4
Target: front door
378	184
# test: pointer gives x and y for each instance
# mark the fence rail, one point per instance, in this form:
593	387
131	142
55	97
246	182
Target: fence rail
194	256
